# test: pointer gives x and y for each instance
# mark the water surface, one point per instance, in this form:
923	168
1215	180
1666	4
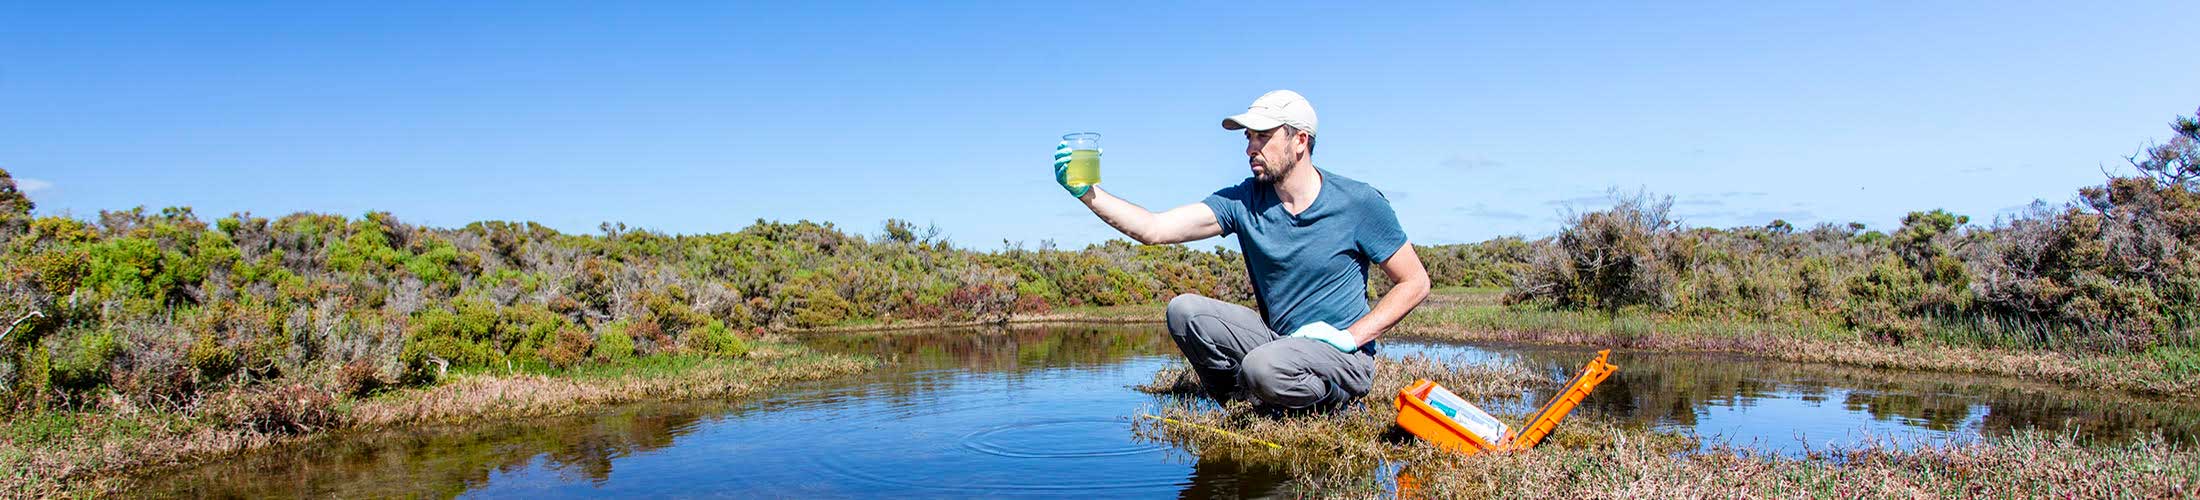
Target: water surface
1045	412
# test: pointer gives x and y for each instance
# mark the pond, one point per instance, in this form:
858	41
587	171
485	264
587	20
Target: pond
1045	411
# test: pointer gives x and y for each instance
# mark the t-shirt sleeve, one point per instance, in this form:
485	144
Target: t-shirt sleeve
1230	206
1379	234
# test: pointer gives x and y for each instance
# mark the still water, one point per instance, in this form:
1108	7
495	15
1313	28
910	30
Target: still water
1045	412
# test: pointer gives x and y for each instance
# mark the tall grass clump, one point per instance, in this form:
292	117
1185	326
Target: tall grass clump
1606	260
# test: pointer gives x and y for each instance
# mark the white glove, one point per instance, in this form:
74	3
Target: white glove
1321	331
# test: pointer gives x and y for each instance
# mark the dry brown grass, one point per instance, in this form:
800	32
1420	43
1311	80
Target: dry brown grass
2027	465
487	396
1357	453
1339	452
102	446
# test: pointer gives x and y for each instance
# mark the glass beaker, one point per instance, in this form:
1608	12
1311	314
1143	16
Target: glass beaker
1084	158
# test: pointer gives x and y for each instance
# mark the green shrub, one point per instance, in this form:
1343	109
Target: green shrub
212	359
367	249
1885	303
420	357
56	272
125	267
715	339
613	344
815	304
80	363
36	380
62	231
436	267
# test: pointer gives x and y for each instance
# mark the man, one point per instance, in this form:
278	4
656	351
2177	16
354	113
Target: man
1308	236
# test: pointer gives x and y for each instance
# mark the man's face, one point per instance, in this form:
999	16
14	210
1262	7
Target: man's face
1271	153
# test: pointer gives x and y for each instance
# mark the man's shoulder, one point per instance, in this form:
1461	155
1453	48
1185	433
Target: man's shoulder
1240	192
1354	190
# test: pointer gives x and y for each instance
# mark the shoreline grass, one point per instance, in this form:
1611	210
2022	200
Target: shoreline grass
89	453
1139	313
1474	315
1357	453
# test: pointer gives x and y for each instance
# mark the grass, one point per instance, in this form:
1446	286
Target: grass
85	453
1356	453
1476	315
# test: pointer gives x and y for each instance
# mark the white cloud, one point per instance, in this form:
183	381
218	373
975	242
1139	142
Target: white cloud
29	185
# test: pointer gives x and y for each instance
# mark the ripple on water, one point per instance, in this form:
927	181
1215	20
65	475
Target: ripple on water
1056	439
1002	452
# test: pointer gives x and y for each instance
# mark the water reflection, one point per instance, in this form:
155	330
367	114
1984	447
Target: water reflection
1043	412
1026	412
441	461
1782	405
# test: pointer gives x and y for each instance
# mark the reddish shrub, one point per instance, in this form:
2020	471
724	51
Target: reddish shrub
361	377
1032	304
568	348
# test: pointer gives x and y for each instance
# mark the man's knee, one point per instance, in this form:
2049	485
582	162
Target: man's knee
1279	377
1180	311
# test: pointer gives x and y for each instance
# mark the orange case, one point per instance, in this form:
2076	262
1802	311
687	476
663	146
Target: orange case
1417	417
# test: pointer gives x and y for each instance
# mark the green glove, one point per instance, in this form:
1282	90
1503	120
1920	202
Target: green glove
1061	171
1319	330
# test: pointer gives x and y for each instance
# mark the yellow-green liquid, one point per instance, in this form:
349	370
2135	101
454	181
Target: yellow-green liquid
1084	167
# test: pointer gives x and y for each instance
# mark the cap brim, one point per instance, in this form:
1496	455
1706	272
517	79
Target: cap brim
1251	121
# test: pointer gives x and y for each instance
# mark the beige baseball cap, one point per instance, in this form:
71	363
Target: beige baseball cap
1277	107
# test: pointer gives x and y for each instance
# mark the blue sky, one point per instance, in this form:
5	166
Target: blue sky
1479	119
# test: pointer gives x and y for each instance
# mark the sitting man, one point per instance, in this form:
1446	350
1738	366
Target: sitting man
1308	237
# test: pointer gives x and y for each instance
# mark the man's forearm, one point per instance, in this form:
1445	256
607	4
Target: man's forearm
1401	299
1121	214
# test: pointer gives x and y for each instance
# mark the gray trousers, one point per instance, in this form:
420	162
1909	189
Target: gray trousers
1236	354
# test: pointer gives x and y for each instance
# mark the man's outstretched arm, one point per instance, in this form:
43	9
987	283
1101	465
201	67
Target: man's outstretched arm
1412	284
1186	223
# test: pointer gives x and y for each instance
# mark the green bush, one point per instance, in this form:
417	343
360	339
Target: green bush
436	267
426	359
80	360
211	358
56	272
814	304
365	250
35	382
613	344
716	339
125	267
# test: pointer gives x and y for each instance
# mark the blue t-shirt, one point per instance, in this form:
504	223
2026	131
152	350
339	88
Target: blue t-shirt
1311	266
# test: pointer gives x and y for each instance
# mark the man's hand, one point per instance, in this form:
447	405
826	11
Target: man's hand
1061	171
1319	330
